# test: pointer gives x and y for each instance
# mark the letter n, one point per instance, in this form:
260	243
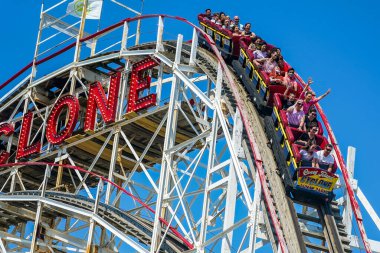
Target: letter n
97	99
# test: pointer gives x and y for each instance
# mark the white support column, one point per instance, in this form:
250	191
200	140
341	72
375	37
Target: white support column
39	210
159	83
347	211
255	215
210	163
167	162
229	217
160	31
92	221
194	45
2	247
124	40
115	150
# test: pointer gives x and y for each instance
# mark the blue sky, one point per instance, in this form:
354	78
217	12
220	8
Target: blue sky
335	42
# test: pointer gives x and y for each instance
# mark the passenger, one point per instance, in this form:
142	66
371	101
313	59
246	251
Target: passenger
256	43
215	17
307	155
222	16
288	101
236	31
267	64
295	114
226	24
236	22
276	78
280	61
308	138
261	51
247	31
208	14
309	101
323	159
309	120
290	80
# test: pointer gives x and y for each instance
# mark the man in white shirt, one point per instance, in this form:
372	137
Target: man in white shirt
323	159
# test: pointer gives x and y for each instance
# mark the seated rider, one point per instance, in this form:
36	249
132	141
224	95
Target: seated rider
307	155
310	101
208	14
288	100
290	80
267	64
247	31
309	120
308	138
323	159
261	51
295	114
235	31
275	77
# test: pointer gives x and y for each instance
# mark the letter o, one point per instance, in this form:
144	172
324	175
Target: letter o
52	134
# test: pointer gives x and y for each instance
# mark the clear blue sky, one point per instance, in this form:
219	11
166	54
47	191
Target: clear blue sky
335	42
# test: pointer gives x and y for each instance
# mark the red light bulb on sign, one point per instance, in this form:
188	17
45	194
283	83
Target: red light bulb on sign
7	130
23	149
97	99
140	83
52	134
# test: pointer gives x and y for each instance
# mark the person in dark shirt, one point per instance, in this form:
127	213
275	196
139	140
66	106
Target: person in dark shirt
208	14
308	138
309	120
289	100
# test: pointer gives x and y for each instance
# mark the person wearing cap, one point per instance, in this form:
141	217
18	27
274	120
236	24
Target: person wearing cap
295	114
323	159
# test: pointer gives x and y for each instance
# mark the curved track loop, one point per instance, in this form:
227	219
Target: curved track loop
245	117
175	245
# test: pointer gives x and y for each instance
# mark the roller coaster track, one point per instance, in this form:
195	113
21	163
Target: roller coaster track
124	222
284	221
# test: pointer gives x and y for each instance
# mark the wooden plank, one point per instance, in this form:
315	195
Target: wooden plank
93	148
152	127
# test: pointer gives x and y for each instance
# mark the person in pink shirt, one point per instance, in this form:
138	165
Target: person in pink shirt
310	101
295	114
290	80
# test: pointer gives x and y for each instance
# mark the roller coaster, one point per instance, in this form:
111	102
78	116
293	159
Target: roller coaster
138	145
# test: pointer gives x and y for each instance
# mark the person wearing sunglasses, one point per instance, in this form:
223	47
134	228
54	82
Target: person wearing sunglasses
236	22
308	138
323	159
295	114
309	120
307	155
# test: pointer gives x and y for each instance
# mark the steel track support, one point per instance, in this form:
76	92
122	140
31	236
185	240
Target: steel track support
39	211
160	31
255	215
229	217
210	163
347	210
92	221
167	161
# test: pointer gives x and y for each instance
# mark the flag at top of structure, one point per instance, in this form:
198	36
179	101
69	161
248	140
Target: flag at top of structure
94	8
